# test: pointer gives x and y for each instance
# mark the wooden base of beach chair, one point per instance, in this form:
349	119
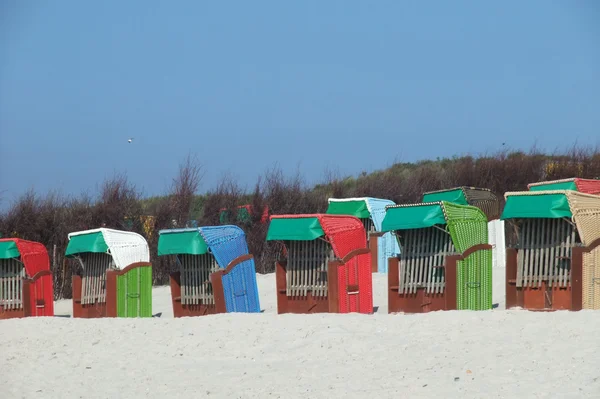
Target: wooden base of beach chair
374	248
339	294
140	293
33	303
11	313
309	303
542	296
422	300
187	310
218	292
85	311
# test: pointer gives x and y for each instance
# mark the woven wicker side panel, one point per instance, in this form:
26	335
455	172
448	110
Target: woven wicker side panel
344	233
226	243
474	291
474	273
588	186
126	247
468	227
387	246
489	207
588	225
484	200
357	271
586	214
591	280
240	288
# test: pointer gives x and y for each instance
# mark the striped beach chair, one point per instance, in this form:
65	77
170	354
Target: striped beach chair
115	274
553	254
445	260
371	212
326	265
216	272
25	279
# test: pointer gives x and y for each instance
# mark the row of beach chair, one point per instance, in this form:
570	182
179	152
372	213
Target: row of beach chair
437	254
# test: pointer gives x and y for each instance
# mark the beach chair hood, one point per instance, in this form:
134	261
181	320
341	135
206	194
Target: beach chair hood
587	186
481	198
466	224
583	209
225	243
344	233
125	247
33	254
465	227
580	210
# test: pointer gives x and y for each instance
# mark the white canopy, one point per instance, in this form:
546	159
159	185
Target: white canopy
125	247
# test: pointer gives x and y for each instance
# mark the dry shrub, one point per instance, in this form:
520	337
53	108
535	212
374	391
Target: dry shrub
50	218
174	211
227	195
184	189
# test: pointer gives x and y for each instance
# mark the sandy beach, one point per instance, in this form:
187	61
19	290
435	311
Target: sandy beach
492	354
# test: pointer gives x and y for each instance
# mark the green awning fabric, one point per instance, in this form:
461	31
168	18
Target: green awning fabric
455	196
295	229
182	242
549	206
565	185
93	242
9	250
413	217
353	208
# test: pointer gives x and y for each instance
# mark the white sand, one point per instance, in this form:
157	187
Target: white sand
494	354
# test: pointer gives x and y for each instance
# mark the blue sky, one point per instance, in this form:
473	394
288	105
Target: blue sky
347	85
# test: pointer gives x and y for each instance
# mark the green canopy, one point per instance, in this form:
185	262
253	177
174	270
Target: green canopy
413	217
563	185
536	206
188	242
456	196
295	229
9	250
92	242
356	208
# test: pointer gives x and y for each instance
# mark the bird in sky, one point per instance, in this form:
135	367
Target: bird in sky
130	140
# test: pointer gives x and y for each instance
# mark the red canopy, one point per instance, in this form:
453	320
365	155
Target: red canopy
33	255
